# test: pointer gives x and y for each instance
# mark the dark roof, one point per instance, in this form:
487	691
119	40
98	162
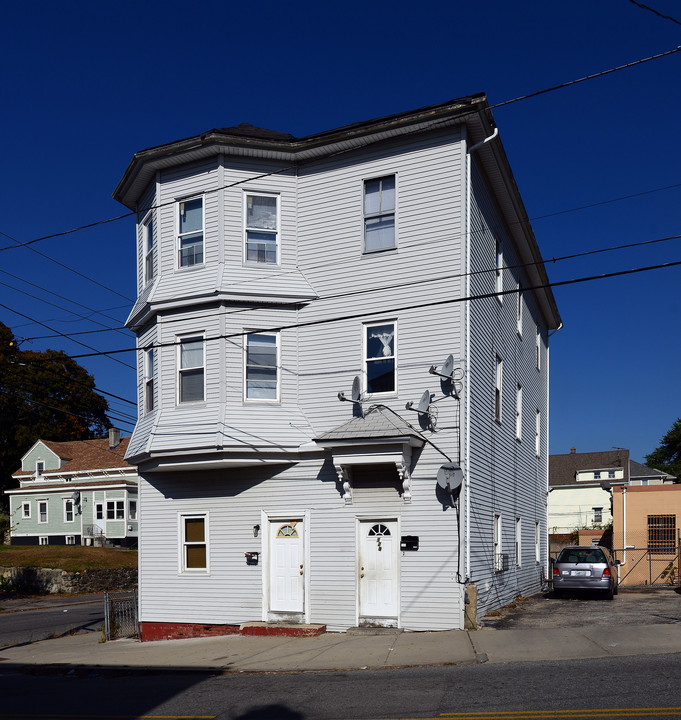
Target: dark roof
636	470
81	455
563	468
248	130
374	425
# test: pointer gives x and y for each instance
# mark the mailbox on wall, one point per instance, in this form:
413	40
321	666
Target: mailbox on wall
409	542
252	558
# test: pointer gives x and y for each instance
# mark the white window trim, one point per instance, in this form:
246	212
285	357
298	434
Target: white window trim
132	516
178	239
25	505
497	542
149	380
147	250
72	538
277	233
179	339
115	502
519	309
597	511
519	413
537	543
518	542
181	568
498	270
73	510
47	512
43	540
498	389
366	216
276	399
537	434
538	348
365	376
39	468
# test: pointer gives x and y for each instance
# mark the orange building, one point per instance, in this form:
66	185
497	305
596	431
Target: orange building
646	534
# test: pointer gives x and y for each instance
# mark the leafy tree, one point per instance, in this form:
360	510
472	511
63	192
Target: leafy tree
43	395
667	456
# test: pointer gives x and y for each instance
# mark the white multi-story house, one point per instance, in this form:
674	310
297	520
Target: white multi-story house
276	272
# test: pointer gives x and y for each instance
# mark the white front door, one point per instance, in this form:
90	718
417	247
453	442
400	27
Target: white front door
287	571
99	521
378	572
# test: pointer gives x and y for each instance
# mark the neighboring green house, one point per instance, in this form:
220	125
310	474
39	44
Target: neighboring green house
75	493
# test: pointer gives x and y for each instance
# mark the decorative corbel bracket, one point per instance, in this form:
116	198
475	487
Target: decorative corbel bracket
344	478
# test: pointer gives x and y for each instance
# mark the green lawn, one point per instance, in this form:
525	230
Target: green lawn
72	558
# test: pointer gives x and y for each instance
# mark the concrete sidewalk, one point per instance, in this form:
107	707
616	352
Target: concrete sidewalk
340	651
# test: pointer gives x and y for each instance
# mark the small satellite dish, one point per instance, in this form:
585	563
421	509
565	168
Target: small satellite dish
76	496
450	477
356	390
424	402
605	485
448	368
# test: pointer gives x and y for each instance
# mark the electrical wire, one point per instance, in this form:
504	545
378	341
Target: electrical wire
504	103
655	12
393	310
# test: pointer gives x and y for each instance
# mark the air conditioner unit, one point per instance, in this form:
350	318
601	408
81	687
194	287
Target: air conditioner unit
500	562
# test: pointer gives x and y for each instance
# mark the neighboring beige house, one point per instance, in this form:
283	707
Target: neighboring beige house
646	526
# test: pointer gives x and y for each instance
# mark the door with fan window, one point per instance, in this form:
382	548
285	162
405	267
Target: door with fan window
287	569
378	572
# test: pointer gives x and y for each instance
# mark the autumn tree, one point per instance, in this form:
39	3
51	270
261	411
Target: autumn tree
43	395
667	457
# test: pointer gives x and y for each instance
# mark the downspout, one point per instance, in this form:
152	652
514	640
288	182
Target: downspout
624	526
467	321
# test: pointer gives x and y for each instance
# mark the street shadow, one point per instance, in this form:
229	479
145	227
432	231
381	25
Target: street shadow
271	712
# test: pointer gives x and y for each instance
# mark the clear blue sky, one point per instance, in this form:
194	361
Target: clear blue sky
87	84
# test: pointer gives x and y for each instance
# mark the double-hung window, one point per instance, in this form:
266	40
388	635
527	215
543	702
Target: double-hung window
190	363
68	511
379	213
262	228
537	434
518	542
39	468
148	242
148	380
115	510
194	543
499	266
498	388
262	366
379	358
537	541
26	510
519	309
42	511
519	412
132	510
190	232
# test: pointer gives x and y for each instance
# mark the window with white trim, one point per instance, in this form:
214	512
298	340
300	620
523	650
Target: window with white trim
42	511
148	244
498	388
537	434
498	560
194	543
68	510
519	412
39	468
43	540
498	267
115	510
262	366
380	358
26	510
262	228
190	370
597	475
519	308
70	539
190	232
518	541
132	510
148	380
538	348
597	515
537	543
379	213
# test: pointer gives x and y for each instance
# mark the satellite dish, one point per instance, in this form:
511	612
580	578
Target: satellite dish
76	496
356	390
448	368
424	403
605	485
450	477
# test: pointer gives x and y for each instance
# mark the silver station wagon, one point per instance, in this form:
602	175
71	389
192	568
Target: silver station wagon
585	568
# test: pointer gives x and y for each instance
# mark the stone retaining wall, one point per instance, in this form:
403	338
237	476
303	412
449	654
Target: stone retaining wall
39	580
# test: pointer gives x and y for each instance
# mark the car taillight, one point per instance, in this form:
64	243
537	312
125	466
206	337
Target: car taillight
606	571
555	570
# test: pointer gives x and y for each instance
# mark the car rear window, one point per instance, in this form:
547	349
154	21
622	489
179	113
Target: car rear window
574	555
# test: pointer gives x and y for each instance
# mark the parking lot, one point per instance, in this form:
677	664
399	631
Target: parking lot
639	606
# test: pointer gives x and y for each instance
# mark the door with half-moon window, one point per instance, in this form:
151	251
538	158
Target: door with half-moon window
378	573
287	570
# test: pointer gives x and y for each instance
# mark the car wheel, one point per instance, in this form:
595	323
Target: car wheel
616	590
557	593
609	594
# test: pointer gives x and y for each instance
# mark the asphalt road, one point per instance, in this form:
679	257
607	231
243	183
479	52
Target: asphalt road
29	620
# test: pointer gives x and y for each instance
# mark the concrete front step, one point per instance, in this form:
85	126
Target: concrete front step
281	629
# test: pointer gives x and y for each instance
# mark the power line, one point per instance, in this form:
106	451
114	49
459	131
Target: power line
655	12
393	310
291	167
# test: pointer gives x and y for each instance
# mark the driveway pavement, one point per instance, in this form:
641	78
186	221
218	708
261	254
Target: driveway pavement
644	606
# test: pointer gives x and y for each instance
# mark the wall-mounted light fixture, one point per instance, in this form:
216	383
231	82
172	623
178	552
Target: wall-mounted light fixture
256	530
